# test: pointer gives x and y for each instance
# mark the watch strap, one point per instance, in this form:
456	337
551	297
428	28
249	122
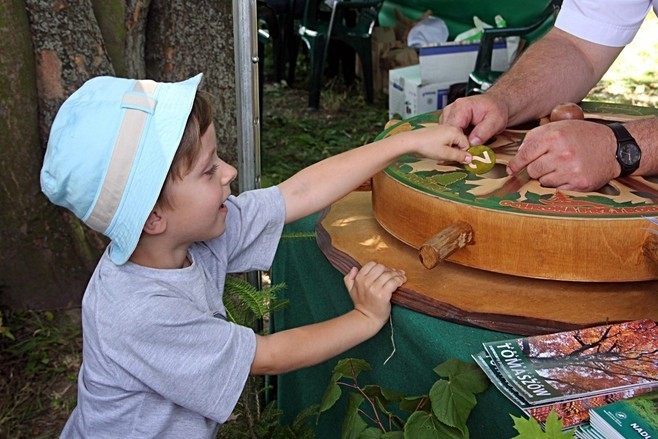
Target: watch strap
623	136
621	133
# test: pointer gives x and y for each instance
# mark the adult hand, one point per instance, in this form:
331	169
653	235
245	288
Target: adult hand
570	155
371	289
486	115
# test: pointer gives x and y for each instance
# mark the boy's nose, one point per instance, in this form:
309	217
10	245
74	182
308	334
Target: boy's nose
231	174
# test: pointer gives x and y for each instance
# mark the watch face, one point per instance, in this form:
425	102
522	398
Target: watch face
629	153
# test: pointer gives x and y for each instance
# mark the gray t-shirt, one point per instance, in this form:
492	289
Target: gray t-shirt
159	358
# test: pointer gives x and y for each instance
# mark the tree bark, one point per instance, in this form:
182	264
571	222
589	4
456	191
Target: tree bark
68	48
34	235
49	48
185	38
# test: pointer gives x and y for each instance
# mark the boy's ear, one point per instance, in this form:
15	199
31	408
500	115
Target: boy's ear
155	223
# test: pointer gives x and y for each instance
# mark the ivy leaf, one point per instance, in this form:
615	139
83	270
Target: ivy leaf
452	403
423	425
353	425
393	435
466	375
530	428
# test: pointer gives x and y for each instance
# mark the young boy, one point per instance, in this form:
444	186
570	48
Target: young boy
137	161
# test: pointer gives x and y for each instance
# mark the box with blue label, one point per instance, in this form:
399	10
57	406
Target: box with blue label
408	95
453	61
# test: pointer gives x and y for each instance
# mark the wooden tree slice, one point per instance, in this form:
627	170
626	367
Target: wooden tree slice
350	236
519	227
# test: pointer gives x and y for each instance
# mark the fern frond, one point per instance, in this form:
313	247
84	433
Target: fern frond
245	304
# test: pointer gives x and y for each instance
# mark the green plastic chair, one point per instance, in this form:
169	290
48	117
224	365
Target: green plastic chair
319	26
482	77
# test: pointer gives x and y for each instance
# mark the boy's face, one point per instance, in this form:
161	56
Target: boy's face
198	212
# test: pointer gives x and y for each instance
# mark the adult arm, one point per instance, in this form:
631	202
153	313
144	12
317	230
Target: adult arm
558	68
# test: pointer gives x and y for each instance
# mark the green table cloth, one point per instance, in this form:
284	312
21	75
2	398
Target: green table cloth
316	293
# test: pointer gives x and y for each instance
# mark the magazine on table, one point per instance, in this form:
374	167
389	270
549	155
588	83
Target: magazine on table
571	412
586	431
630	418
576	364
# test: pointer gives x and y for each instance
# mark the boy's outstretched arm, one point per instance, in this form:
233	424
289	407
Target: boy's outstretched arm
322	183
370	289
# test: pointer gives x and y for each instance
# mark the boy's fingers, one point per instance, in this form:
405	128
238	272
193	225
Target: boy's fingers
457	155
350	277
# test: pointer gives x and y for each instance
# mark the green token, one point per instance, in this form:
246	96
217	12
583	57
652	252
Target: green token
483	161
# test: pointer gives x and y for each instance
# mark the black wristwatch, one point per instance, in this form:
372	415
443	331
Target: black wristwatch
628	153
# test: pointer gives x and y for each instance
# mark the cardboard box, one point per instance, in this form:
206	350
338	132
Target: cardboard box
408	96
387	53
453	62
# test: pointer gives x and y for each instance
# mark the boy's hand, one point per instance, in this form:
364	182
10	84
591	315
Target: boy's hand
443	143
371	289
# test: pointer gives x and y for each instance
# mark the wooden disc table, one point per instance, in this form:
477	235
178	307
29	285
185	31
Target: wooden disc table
541	259
517	226
349	236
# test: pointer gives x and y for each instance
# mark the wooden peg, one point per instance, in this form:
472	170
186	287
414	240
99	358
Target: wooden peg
444	243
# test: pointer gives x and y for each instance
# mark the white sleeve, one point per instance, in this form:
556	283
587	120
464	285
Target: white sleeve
605	22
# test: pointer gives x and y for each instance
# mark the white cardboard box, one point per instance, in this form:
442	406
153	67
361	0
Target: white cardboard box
453	62
408	96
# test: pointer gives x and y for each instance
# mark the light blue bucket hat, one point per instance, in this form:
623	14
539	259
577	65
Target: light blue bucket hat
110	148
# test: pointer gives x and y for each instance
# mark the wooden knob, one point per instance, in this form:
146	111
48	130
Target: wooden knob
445	243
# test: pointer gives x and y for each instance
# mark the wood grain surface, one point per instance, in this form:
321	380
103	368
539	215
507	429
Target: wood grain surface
349	235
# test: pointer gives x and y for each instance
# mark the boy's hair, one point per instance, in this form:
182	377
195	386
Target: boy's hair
188	151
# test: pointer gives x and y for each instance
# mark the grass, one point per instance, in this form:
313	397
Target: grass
40	352
40	358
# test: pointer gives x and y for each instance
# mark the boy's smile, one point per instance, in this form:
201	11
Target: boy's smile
198	211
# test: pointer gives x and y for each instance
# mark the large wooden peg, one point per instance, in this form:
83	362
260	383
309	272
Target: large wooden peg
444	243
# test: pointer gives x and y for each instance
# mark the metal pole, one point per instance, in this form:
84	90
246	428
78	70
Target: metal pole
246	87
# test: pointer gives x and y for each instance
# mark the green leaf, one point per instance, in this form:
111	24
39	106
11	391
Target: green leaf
353	425
422	425
331	394
351	367
415	403
393	435
451	403
530	428
527	428
371	433
382	397
467	375
553	427
392	395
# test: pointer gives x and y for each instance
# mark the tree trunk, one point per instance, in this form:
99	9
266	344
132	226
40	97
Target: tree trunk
46	254
185	38
34	235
